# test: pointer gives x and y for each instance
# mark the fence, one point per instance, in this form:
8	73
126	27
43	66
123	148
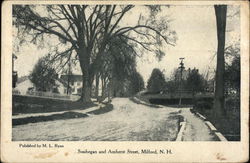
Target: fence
178	94
47	95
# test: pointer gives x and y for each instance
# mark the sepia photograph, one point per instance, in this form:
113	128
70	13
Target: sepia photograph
126	73
125	81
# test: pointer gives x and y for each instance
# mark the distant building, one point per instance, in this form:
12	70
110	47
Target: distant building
184	74
73	83
24	86
65	84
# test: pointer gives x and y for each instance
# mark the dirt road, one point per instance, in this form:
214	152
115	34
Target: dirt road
128	121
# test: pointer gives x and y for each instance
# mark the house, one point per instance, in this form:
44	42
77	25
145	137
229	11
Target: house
24	85
65	84
74	83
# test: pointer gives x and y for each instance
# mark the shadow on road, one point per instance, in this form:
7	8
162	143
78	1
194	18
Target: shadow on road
61	116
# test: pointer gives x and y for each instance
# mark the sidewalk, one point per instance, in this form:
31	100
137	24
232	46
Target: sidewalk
196	129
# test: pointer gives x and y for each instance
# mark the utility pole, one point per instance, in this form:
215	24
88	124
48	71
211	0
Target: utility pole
69	77
181	70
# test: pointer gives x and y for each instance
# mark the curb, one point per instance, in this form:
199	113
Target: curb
180	133
144	103
201	116
215	131
211	127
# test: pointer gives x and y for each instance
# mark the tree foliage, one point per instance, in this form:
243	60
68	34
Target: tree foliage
43	75
156	82
192	81
118	65
232	75
126	79
172	86
130	86
195	81
136	83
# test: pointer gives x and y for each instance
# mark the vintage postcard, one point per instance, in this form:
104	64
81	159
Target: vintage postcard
125	81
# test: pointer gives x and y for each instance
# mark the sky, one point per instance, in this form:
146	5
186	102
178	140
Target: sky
197	42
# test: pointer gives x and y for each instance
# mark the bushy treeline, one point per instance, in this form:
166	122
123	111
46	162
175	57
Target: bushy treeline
191	80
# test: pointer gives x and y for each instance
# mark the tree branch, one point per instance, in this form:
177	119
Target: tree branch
127	29
140	43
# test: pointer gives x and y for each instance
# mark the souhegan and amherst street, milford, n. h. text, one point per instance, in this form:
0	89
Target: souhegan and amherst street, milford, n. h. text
128	151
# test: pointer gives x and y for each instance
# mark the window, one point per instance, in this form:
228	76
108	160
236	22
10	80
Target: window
79	90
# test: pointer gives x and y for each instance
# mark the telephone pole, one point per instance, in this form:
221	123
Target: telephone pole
69	78
181	70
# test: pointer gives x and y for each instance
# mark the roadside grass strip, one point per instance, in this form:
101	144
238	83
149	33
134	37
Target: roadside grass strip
53	117
82	111
138	101
43	117
181	131
211	127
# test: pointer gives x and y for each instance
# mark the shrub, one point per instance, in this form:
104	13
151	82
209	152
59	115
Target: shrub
203	105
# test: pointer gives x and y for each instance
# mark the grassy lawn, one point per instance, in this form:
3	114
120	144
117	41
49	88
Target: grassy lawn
25	105
62	116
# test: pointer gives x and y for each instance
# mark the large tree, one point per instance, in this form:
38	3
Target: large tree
136	83
156	82
43	75
87	29
118	65
221	15
195	81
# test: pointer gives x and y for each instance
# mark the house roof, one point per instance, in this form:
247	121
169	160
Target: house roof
22	79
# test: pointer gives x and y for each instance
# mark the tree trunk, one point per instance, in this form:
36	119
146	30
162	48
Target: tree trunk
86	82
110	85
97	86
86	90
220	12
103	88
